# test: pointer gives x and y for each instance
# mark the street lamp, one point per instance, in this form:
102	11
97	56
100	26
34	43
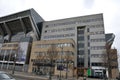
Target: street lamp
14	62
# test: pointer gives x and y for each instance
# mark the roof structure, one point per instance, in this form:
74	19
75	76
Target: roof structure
24	21
109	38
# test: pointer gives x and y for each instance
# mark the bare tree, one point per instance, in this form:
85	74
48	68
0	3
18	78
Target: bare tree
105	63
52	55
69	58
110	59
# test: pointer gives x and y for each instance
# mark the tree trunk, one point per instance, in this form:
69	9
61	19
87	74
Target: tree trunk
50	76
67	70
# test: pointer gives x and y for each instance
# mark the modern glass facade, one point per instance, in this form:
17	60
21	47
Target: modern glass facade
80	46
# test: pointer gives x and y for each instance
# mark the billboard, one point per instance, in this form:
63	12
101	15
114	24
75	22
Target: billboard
22	52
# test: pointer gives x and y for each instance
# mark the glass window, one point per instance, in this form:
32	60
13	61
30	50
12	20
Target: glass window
97	47
88	37
45	31
81	45
81	52
65	44
81	60
88	44
89	52
81	38
69	44
88	30
46	26
80	31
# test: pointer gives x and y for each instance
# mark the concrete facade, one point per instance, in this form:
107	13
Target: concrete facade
64	56
86	31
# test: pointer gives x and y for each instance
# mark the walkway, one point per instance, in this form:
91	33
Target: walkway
29	76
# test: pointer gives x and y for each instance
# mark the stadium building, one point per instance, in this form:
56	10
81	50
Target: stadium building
17	31
20	30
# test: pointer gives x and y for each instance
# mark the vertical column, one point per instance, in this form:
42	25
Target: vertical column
1	31
9	58
23	26
8	31
86	49
34	28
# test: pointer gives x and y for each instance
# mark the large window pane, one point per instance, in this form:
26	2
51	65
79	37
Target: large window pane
81	45
80	31
81	52
81	38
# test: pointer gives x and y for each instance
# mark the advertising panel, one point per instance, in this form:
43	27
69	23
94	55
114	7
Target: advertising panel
22	52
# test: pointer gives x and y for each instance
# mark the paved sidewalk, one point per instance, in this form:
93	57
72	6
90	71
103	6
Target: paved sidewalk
29	76
26	75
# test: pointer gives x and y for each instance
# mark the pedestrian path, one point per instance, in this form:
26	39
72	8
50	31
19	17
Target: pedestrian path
29	76
25	75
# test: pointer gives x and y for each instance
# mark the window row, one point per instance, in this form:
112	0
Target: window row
56	45
60	30
96	26
8	51
97	47
8	55
68	53
10	45
59	36
98	40
74	22
98	32
97	64
81	56
98	55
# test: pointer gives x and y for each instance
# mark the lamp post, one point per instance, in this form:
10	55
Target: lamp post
14	62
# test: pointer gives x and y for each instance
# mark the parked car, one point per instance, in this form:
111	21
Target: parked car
5	76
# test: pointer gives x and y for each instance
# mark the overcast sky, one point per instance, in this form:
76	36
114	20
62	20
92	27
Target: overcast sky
59	9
